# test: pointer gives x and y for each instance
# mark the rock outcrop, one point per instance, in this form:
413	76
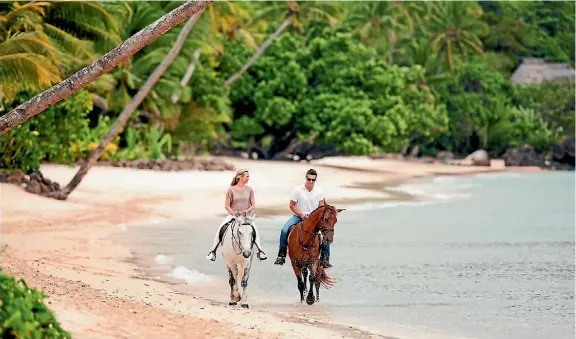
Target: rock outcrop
34	183
213	164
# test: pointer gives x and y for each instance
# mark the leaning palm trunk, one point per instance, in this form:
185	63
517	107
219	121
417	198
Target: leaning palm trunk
103	65
128	109
188	74
260	50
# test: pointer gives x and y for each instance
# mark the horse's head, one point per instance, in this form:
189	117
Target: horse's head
328	220
245	234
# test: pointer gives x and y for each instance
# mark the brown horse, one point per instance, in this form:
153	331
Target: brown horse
304	250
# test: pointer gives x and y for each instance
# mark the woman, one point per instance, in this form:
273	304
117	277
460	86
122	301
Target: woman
239	200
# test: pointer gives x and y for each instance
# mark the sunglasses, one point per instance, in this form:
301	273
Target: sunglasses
311	179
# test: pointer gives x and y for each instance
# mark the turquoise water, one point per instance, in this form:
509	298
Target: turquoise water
488	256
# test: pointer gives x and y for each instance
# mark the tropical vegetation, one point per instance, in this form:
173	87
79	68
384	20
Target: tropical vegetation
363	77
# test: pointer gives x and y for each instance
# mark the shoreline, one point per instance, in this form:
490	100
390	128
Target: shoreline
92	283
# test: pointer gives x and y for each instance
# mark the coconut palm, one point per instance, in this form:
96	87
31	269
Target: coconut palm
383	23
456	27
101	66
28	59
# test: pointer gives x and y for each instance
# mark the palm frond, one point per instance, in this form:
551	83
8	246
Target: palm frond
68	43
26	71
28	42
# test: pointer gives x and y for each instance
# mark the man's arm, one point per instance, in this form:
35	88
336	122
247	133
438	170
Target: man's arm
295	209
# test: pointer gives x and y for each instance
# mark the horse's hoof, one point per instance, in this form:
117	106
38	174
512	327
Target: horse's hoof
232	303
310	301
244	306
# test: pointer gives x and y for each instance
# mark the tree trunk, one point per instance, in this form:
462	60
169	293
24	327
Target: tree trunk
260	50
128	109
188	74
101	66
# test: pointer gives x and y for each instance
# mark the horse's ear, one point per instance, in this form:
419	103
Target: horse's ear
340	210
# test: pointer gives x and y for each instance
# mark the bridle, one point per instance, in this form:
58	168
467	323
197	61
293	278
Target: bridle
322	230
235	236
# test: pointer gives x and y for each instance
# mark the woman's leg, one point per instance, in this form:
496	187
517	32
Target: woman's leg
212	254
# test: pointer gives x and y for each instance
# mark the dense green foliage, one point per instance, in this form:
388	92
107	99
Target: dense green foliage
49	136
23	313
362	76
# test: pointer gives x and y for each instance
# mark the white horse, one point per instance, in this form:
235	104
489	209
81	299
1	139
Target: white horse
237	252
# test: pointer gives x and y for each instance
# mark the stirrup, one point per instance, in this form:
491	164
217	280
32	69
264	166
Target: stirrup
280	261
211	256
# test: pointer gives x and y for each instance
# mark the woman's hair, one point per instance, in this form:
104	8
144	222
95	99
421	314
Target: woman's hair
239	174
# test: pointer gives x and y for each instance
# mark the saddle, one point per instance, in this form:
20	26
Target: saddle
224	228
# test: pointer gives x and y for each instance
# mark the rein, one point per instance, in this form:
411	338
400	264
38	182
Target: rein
235	237
322	230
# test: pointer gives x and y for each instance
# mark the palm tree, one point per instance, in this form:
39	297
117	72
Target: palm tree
34	28
456	27
386	22
101	66
129	109
28	59
292	13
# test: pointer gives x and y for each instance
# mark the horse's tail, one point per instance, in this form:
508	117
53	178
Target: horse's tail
325	280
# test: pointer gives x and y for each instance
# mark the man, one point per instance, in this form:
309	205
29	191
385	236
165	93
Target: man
305	199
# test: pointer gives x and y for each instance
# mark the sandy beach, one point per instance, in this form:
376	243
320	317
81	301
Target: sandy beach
93	284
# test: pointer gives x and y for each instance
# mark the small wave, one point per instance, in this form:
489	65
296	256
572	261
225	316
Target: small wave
162	259
189	276
373	206
498	175
445	196
444	179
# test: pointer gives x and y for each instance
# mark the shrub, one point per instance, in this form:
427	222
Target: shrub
47	136
23	313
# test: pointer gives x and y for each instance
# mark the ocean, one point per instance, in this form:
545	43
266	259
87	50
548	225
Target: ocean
483	256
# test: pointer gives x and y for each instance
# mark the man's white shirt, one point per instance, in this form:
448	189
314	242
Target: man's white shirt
307	201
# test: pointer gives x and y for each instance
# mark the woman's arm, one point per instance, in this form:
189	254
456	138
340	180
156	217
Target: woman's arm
252	204
227	204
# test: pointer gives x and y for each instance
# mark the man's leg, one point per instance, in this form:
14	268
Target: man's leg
325	255
284	239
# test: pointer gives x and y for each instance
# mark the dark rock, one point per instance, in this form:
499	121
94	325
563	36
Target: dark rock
44	189
523	156
55	186
36	176
564	153
16	178
34	187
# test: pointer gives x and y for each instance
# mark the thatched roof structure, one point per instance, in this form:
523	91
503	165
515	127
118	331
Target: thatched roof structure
535	71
